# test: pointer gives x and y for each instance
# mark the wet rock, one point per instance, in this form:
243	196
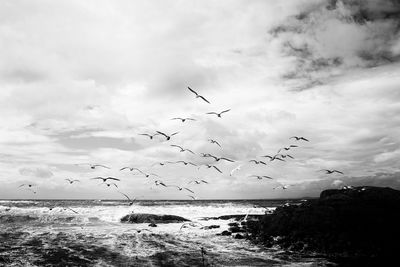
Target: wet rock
152	218
226	233
153	225
236	229
209	227
354	223
233	224
239	236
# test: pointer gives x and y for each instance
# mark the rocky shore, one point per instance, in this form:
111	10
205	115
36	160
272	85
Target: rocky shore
353	226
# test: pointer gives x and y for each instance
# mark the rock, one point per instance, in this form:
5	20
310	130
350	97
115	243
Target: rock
209	227
153	225
239	236
233	224
236	229
226	233
236	217
152	218
359	222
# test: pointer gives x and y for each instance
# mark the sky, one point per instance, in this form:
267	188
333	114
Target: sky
80	80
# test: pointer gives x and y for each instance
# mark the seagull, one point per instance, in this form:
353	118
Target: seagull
106	178
161	163
109	184
28	185
235	170
197	95
147	175
185	162
222	158
183	149
129	168
298	138
149	135
259	177
181	188
93	166
198	181
283	156
183	119
130	200
167	136
191	224
287	148
158	182
72	181
331	171
214	142
211	166
258	162
218	114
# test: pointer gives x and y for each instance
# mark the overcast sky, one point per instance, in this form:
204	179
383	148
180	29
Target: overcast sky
79	80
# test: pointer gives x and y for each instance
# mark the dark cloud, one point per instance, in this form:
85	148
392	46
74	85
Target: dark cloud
330	37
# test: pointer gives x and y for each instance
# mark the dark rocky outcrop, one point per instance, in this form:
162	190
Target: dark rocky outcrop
152	218
360	224
236	217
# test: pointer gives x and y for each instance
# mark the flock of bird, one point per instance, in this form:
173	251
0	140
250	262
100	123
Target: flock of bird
281	155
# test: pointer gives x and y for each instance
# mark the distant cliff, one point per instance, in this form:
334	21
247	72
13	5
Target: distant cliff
359	225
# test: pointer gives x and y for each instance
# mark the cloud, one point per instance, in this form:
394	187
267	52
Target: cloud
36	172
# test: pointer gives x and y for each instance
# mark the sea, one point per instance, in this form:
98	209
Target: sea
90	233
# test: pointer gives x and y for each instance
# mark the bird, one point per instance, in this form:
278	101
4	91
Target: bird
185	162
72	181
235	170
220	158
258	162
331	171
197	95
129	199
214	142
93	166
259	177
183	149
106	178
161	163
147	175
218	114
168	137
109	184
158	182
298	138
28	185
198	181
283	156
183	119
151	136
211	166
287	148
180	188
129	168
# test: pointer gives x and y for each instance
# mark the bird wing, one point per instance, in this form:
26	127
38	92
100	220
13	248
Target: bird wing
176	119
99	165
190	119
112	178
193	91
204	181
338	171
174	134
227	159
267	177
125	196
21	185
295	137
191	163
177	146
145	134
262	162
212	113
155	175
202	97
215	167
162	133
97	178
188	150
225	111
305	139
189	190
124	168
114	184
192	197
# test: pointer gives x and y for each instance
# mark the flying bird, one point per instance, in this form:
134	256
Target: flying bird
259	177
185	162
181	188
183	119
197	95
93	166
72	181
198	181
298	138
151	136
331	171
158	182
287	148
183	149
168	137
220	158
129	199
258	162
28	185
214	142
130	168
218	114
211	166
106	178
283	156
235	170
